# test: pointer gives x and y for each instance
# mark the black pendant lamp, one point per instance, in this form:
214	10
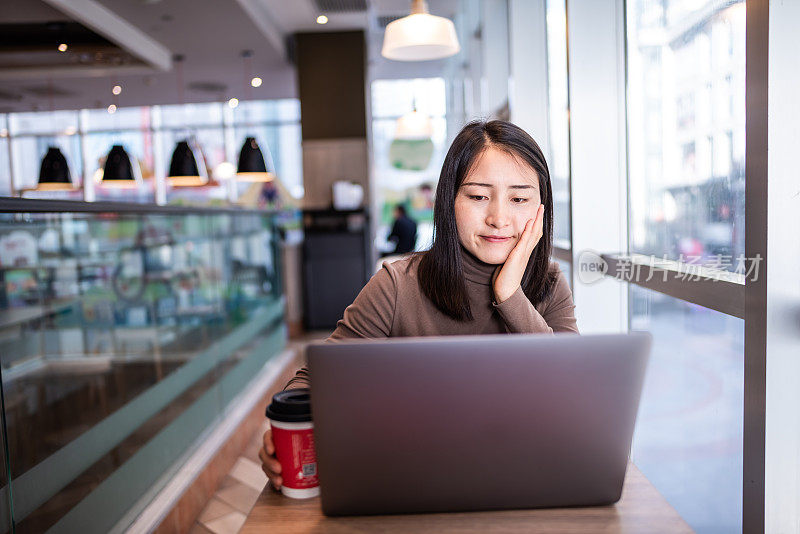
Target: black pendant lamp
252	167
120	171
54	172
187	167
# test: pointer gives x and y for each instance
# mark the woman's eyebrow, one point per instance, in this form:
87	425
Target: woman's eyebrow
523	186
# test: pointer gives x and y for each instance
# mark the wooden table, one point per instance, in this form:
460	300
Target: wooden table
641	509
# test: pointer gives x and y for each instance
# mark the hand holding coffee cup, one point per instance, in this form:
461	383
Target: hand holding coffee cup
269	463
288	456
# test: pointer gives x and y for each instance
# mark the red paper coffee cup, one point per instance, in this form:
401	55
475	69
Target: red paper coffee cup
293	436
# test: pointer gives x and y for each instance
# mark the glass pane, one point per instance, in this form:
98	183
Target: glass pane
280	144
211	142
137	118
688	439
5	160
393	98
686	120
179	116
558	108
413	188
139	145
28	152
407	172
37	122
259	111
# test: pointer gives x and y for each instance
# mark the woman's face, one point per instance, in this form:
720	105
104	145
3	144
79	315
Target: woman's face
498	196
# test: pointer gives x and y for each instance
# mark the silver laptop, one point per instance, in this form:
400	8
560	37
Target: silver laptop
444	424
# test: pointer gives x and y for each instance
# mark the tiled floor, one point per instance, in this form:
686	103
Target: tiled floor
227	510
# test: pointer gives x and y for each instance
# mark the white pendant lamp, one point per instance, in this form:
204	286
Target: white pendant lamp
414	125
420	36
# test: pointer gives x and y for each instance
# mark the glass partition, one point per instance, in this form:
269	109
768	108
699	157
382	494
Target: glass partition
123	336
688	439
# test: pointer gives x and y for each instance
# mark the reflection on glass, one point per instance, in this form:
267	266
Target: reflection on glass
558	108
688	439
686	120
99	310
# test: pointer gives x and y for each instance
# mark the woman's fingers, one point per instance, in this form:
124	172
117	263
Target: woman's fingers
270	464
536	231
268	445
517	253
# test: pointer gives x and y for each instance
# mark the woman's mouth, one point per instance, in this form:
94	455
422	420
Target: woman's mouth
495	238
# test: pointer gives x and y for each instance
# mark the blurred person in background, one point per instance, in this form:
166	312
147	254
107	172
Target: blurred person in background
404	232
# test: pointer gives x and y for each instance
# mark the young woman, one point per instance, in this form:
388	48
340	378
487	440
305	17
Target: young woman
488	270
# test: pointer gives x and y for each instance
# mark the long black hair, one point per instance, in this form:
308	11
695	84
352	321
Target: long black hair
441	275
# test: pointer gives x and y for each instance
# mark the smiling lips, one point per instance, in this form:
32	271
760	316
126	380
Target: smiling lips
495	238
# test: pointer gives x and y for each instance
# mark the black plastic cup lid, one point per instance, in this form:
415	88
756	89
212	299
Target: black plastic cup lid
291	406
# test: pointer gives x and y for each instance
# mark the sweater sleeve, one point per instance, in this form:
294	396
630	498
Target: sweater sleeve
521	317
369	316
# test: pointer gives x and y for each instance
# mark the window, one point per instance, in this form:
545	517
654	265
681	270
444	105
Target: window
407	171
558	95
276	126
149	135
685	66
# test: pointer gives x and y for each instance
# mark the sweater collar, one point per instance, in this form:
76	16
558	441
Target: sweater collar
475	270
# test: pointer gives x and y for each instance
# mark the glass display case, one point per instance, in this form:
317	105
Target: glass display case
125	331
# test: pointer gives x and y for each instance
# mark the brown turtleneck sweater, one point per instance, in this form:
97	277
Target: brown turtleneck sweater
393	305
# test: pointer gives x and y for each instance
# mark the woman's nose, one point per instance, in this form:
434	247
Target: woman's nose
497	216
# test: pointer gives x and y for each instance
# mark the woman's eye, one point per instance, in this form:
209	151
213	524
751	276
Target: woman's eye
519	200
477	197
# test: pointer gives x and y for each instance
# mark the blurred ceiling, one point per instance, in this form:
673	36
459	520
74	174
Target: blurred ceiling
133	43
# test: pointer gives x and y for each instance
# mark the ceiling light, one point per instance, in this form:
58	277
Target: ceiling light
256	82
120	170
70	130
224	170
112	109
414	125
420	36
322	19
116	89
62	47
233	102
187	167
252	167
4	133
54	172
